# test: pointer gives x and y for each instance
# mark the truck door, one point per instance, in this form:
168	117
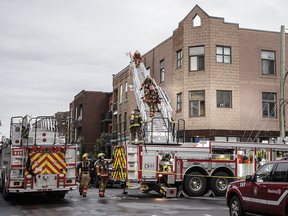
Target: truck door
277	189
255	195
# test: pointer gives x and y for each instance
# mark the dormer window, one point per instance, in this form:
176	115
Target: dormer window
196	21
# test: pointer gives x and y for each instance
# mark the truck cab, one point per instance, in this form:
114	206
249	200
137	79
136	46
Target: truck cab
263	192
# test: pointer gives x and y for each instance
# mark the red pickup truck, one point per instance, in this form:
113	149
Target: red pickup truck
264	192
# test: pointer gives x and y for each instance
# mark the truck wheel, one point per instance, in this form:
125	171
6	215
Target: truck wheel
195	185
219	185
235	207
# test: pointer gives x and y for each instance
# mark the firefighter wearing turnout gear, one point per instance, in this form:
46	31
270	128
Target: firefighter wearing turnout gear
146	85
102	170
83	171
153	100
135	126
137	58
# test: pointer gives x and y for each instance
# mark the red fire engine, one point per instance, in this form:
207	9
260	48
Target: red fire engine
171	167
38	158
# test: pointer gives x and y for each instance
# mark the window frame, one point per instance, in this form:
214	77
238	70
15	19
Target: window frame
179	58
179	103
162	71
269	102
223	98
198	59
125	121
120	94
270	60
223	54
199	103
126	91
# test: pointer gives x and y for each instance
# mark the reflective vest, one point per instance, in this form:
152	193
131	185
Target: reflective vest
83	165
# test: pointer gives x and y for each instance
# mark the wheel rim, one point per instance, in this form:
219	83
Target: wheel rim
221	184
195	184
234	208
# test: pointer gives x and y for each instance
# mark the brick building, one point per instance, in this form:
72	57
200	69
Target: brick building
123	103
223	80
87	108
61	118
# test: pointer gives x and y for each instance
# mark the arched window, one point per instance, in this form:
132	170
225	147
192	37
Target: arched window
196	21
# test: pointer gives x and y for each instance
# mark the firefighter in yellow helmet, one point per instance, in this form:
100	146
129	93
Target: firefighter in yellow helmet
102	171
137	58
146	85
83	171
135	126
154	99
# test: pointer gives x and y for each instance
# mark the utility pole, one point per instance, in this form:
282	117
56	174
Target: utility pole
282	84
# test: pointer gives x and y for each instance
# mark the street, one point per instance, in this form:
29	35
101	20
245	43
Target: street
114	203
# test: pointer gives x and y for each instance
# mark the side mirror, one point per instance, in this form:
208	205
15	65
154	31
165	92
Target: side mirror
249	178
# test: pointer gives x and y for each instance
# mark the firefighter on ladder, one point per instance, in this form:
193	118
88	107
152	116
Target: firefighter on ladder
137	58
135	126
83	171
102	171
153	100
146	85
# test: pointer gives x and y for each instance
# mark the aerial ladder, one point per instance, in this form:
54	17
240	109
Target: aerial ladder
160	129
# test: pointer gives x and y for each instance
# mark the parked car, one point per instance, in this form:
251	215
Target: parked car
264	192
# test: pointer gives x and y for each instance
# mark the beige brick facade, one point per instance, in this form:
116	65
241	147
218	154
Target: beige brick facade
243	77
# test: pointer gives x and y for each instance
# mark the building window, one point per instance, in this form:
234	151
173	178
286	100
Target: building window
179	101
126	90
162	71
196	21
125	121
223	54
179	58
268	62
120	121
120	99
81	110
197	103
224	99
196	56
269	104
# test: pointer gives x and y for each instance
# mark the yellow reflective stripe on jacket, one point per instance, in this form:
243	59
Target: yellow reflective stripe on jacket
134	125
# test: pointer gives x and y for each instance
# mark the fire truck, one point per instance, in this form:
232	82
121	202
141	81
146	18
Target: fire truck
38	158
171	167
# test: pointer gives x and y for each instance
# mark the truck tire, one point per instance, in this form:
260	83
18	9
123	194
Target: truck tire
219	185
235	207
195	185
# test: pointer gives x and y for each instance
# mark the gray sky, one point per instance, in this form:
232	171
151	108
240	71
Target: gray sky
50	50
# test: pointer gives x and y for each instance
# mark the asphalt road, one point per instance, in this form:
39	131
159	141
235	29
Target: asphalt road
114	203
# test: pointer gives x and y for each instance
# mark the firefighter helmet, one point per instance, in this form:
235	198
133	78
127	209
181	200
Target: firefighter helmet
85	155
100	155
148	76
137	52
152	87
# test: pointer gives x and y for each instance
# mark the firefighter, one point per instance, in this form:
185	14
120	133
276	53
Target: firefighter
146	85
83	171
102	171
137	58
135	126
153	100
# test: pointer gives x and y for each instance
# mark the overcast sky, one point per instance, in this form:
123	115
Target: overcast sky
50	50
